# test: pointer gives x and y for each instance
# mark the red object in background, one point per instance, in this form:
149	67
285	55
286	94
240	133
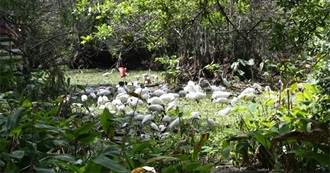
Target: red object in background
147	80
122	71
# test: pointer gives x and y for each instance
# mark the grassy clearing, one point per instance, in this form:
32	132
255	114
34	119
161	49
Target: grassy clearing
225	124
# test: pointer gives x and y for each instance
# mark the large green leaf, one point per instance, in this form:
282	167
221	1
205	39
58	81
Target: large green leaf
93	167
65	157
13	118
88	137
323	159
262	139
108	163
11	167
192	166
44	170
198	146
84	129
17	154
107	120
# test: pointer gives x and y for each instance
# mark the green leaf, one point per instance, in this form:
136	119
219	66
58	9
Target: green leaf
323	159
161	158
88	137
269	102
3	119
199	145
206	168
44	170
93	167
191	166
13	118
108	163
11	167
70	167
107	122
262	139
65	157
27	104
141	146
17	154
84	129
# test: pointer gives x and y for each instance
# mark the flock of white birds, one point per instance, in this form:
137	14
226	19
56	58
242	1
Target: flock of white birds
141	103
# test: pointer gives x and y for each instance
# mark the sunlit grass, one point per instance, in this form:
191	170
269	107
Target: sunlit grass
205	107
94	76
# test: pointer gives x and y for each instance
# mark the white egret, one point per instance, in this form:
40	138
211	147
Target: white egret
221	100
84	97
166	118
221	94
175	122
154	126
225	111
148	118
155	107
194	115
154	100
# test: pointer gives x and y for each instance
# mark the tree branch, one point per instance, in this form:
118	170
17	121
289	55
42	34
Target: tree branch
222	11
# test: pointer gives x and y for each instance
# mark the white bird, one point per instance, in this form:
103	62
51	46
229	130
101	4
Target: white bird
93	95
234	101
249	96
121	107
155	107
175	122
172	105
154	126
84	97
138	117
195	96
103	92
225	81
142	91
221	100
162	128
154	100
90	111
133	102
121	89
168	97
221	94
182	93
101	100
131	113
166	118
123	97
116	101
245	92
148	118
267	89
190	87
210	122
108	73
158	92
225	111
257	87
194	115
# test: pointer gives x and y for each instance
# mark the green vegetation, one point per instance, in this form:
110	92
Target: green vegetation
46	126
